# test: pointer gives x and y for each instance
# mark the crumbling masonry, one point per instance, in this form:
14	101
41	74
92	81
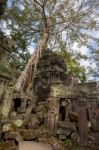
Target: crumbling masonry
59	107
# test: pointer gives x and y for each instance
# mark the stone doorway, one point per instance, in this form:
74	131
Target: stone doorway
62	113
62	109
16	104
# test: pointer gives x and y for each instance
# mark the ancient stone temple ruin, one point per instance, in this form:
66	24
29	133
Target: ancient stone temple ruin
59	107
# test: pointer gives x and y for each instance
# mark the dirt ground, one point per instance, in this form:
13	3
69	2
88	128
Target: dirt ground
34	146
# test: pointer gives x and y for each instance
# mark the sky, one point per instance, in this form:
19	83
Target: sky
9	2
84	51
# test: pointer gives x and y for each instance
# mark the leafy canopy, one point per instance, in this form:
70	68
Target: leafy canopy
65	21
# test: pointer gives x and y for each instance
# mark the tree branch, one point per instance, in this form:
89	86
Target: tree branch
45	18
36	30
53	8
63	28
44	2
38	3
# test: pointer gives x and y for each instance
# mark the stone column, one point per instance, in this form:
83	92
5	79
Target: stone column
1	102
7	103
45	118
55	123
52	123
97	117
82	122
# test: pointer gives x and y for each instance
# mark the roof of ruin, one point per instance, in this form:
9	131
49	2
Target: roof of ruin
51	68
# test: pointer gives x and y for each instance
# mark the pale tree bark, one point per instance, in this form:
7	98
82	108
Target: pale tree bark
27	76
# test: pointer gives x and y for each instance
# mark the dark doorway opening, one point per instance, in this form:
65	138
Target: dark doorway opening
87	115
62	113
17	104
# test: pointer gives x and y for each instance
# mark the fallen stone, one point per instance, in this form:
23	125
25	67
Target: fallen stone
32	122
96	138
6	127
63	132
18	123
67	126
62	137
8	145
13	136
29	134
10	136
75	137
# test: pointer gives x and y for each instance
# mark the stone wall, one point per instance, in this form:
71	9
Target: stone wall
5	79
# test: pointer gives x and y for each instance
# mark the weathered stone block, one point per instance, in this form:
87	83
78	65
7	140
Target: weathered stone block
10	136
29	134
63	132
13	136
75	137
62	137
6	127
8	145
18	123
67	126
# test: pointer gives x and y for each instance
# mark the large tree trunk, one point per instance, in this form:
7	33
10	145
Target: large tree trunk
27	76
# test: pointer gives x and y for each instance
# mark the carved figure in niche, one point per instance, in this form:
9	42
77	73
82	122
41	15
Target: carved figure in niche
65	107
28	103
68	108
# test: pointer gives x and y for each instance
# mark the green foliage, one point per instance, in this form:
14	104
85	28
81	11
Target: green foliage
31	17
68	142
73	65
94	59
64	21
18	60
